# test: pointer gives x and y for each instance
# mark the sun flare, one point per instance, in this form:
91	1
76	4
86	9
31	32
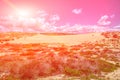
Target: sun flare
23	13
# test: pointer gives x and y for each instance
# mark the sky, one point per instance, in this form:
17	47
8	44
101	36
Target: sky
60	15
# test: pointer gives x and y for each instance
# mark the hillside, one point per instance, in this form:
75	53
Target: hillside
33	56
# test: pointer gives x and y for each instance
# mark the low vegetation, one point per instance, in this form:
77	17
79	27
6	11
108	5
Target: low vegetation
86	60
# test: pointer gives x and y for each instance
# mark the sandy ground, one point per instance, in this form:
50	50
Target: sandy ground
65	39
114	75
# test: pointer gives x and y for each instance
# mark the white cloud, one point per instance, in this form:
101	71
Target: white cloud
41	13
112	16
40	24
77	28
55	18
104	21
77	11
117	27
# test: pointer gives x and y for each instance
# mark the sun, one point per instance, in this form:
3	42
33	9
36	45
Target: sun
23	13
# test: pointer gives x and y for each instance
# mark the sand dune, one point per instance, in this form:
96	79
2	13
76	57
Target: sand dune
65	39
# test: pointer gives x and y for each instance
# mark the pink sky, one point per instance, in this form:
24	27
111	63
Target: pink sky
72	12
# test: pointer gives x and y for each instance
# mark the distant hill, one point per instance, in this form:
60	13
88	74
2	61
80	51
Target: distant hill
56	34
67	39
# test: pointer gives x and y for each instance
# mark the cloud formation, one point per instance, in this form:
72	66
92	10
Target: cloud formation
47	23
54	18
77	11
104	21
41	13
117	27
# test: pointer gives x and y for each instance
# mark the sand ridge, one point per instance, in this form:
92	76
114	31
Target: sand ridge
65	39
